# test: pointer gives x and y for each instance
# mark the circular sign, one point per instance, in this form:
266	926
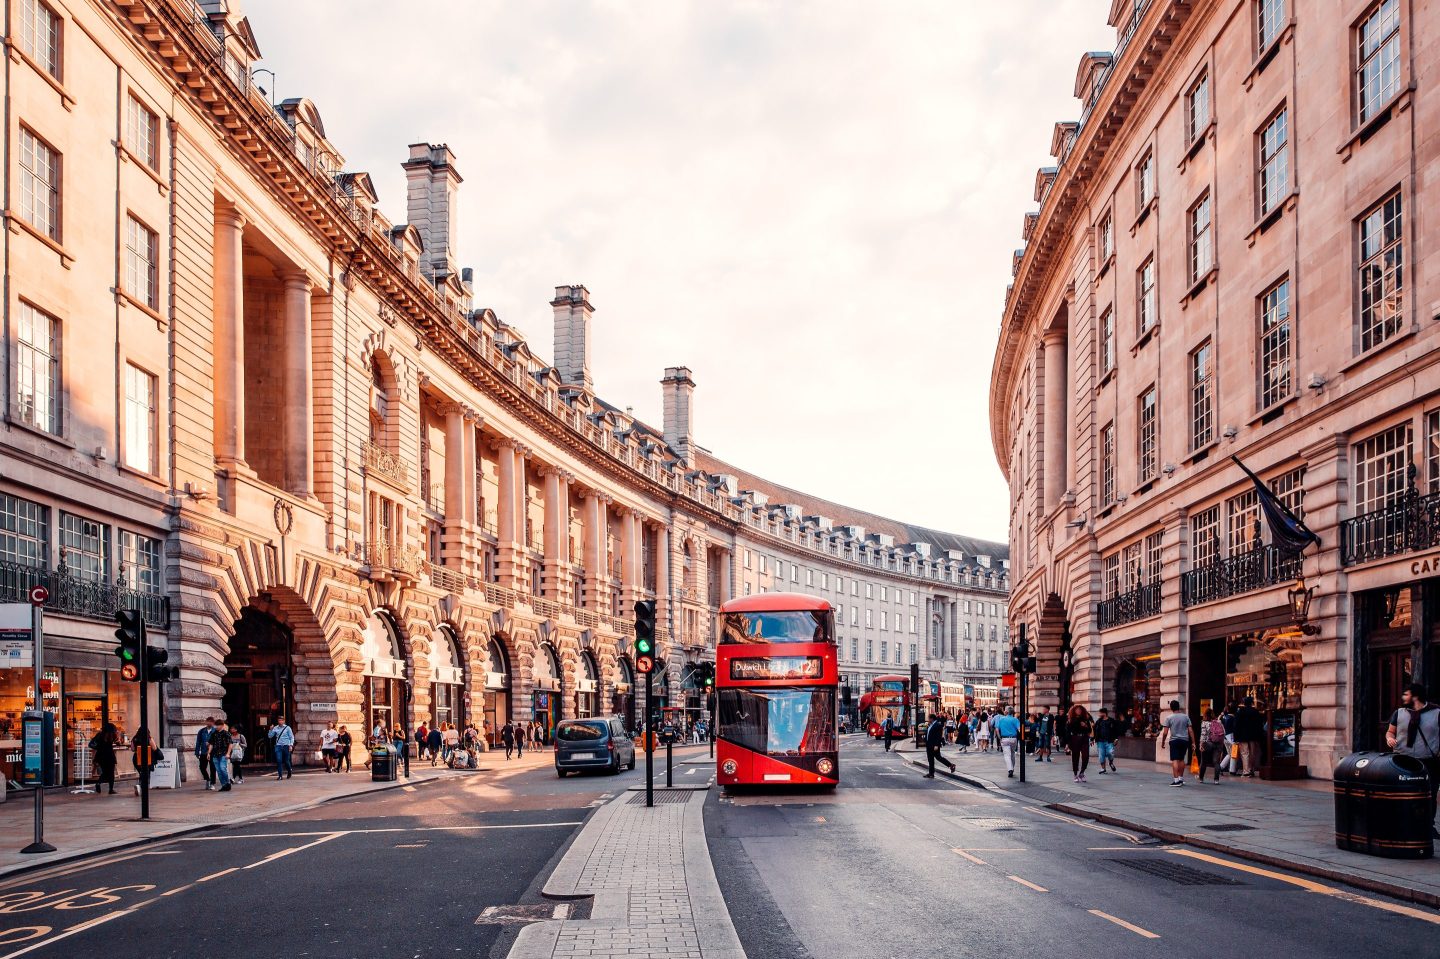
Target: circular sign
38	595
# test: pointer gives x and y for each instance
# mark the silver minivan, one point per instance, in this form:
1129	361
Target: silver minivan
594	743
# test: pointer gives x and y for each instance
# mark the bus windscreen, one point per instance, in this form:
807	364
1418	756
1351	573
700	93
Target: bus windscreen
790	626
779	722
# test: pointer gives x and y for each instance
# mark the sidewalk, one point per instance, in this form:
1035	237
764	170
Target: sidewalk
86	825
654	889
1286	824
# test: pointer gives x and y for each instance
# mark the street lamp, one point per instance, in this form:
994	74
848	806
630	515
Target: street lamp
270	96
1300	596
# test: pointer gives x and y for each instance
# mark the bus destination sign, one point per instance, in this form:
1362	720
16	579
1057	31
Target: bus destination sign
776	667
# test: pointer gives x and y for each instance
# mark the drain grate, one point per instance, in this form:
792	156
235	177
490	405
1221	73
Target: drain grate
504	915
1176	872
984	822
661	797
1227	827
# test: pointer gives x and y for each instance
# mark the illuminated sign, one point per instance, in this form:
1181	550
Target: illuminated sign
776	667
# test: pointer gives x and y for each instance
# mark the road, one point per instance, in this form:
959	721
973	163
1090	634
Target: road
406	872
892	865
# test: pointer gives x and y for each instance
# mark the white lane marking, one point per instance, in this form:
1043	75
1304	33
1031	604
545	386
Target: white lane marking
1028	884
293	849
408	789
1081	822
1124	925
691	772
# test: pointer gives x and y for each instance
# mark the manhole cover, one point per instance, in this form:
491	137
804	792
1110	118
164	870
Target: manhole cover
500	915
982	822
638	799
1176	872
1227	827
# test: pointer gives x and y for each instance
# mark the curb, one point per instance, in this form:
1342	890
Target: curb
18	869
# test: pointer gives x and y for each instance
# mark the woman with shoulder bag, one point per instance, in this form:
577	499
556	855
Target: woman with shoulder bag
1212	745
238	742
102	746
342	749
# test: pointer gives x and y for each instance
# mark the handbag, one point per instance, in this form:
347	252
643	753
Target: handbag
1234	750
237	752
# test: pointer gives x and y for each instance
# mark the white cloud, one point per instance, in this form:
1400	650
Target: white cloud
811	204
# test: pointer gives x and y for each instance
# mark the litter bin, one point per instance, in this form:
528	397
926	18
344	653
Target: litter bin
382	764
1382	806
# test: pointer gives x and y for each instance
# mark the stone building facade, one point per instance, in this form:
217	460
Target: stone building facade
1228	259
337	488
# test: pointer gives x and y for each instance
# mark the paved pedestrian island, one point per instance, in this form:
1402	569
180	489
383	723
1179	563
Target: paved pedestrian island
653	887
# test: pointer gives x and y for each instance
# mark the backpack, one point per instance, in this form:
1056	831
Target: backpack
1216	730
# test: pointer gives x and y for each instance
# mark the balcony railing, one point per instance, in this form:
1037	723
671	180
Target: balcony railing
1139	603
1410	524
384	463
1256	568
389	558
441	577
73	596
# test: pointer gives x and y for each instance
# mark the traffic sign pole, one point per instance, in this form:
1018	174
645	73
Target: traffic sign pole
38	596
649	742
1024	687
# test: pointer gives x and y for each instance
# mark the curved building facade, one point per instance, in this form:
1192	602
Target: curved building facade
338	489
1227	262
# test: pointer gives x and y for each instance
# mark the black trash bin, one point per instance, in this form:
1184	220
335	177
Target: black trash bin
1382	806
382	764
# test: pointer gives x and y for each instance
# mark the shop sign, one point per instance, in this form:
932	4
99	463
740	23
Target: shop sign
166	774
1422	567
1047	677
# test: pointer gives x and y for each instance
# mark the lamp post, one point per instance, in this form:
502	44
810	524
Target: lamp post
256	72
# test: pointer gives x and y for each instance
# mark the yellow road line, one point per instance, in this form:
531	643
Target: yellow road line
975	859
1028	884
217	875
1123	924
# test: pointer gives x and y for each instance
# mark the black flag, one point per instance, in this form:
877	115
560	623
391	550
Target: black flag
1287	530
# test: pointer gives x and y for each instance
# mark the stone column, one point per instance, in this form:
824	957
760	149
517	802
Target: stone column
664	608
594	549
554	534
229	338
507	516
952	617
459	476
727	562
1055	454
630	570
299	396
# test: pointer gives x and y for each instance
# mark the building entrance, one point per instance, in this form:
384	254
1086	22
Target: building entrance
259	686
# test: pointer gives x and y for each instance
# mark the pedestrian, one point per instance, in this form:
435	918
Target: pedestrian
949	729
452	740
1007	727
282	739
1176	729
220	754
934	739
1044	734
520	734
398	742
202	752
102	747
887	728
1107	730
142	747
984	732
1078	730
507	737
1230	754
1414	730
238	745
422	739
434	740
1212	745
962	736
1249	735
328	736
343	743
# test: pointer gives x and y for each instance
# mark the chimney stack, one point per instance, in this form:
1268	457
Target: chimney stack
572	335
679	389
431	183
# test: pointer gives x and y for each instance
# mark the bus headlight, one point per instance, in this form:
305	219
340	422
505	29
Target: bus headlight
729	767
825	767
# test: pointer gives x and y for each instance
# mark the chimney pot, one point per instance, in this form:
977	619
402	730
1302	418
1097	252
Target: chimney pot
572	335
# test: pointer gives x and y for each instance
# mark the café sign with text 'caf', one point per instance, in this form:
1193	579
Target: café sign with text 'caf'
776	667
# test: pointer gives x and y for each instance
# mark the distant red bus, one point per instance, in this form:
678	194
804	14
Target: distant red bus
889	696
776	681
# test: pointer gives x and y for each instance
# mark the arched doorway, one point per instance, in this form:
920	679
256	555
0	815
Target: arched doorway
587	687
497	689
385	697
623	702
447	680
545	680
259	683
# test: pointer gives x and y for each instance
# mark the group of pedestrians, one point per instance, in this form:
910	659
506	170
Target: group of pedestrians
516	736
221	750
439	742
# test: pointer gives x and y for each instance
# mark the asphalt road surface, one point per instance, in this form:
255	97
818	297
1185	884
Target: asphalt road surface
893	865
407	872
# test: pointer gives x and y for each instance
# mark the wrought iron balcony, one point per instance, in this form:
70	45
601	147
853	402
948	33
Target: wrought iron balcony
1139	603
383	463
1256	568
1408	525
393	562
73	596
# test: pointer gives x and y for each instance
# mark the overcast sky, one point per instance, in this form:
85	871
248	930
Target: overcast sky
810	204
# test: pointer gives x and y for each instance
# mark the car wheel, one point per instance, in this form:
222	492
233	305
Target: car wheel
559	772
631	765
614	768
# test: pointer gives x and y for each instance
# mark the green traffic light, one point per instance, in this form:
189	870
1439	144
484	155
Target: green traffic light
126	654
642	645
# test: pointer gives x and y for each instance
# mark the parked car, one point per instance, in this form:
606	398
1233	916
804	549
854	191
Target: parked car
595	743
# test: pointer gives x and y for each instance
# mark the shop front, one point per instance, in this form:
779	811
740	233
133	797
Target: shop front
1397	631
497	691
384	679
83	698
587	687
545	681
1132	672
447	681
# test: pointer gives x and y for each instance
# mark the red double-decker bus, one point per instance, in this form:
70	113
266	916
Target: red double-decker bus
889	696
775	682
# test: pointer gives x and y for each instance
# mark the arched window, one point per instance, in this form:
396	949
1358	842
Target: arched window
587	687
447	679
384	667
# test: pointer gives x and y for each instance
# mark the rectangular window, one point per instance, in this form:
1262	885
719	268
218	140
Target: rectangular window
1274	150
794	573
140	562
38	370
1153	544
1432	451
1107	464
1201	252
1105	238
1132	560
967	659
869	590
884	619
912	624
40	32
1202	400
913	657
1377	62
1269	21
779	569
1205	537
1144	182
1382	286
85	548
1242	518
747	554
1147	445
24	532
1275	344
855	649
993	659
1197	107
1110	572
1380	467
884	650
139	437
1289	489
1107	341
764	563
869	618
142	132
1145	314
854	616
39	185
869	650
142	263
884	594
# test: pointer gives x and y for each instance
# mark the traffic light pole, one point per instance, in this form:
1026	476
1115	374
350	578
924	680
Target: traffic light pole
649	742
145	724
37	635
1024	688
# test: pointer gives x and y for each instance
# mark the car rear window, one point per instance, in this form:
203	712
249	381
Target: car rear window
580	732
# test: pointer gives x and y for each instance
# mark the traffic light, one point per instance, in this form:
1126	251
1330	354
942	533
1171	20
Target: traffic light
1017	659
645	636
707	675
155	669
131	636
